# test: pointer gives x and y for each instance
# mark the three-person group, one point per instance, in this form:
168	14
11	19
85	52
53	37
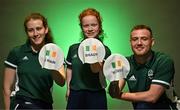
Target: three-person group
28	86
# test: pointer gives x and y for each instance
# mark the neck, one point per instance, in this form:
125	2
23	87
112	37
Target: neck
144	58
36	48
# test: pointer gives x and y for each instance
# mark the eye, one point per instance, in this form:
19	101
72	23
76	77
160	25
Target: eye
94	25
85	25
38	28
134	38
145	38
29	30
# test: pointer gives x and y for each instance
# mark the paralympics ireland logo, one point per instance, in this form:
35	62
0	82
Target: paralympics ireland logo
90	53
117	67
150	73
50	56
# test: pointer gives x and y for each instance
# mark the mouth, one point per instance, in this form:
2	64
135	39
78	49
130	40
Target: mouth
36	38
90	34
139	48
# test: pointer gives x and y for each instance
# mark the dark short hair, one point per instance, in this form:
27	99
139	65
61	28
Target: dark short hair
142	26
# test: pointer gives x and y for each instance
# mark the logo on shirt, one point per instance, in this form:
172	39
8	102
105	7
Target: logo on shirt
25	58
150	73
75	56
132	78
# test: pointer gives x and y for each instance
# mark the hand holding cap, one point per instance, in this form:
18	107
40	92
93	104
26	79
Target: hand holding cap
51	57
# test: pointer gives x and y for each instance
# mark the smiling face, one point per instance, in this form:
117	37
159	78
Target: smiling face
90	26
36	31
141	42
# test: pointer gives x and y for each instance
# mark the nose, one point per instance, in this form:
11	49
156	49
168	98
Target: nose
35	33
90	28
139	41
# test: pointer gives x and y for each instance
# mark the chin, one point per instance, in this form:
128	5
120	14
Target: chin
37	43
90	36
139	53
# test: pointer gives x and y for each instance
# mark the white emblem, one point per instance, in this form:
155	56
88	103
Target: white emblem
132	78
75	56
150	73
25	58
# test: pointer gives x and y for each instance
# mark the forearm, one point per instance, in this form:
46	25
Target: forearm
6	94
136	97
152	95
68	77
59	76
9	77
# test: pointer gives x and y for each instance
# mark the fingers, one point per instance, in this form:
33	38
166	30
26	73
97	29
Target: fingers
66	97
114	90
67	94
96	67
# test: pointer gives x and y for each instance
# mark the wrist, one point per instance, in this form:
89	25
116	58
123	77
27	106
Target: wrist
120	95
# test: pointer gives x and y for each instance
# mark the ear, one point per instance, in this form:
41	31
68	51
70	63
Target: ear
153	41
47	30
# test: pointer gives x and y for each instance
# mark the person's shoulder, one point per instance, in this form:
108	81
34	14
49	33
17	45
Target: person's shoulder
162	56
18	48
106	47
129	58
74	45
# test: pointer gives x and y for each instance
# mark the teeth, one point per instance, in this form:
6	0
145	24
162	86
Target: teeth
139	48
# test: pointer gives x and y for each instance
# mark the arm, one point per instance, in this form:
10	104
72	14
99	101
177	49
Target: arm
9	78
59	76
68	79
164	75
121	84
97	67
152	95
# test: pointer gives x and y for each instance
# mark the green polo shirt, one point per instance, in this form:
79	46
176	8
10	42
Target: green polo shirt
82	76
159	70
31	80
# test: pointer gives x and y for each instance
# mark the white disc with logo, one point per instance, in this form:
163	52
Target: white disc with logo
91	51
116	67
51	57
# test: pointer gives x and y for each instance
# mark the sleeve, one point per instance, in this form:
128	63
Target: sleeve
164	73
11	60
108	52
68	59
